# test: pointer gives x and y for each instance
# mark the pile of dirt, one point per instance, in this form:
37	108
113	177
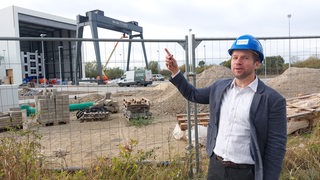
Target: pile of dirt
212	74
173	102
87	98
166	99
293	82
296	82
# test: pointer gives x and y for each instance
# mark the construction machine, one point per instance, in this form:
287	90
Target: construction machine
105	78
100	110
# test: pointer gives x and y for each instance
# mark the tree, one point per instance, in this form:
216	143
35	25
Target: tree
311	62
182	68
91	70
201	69
274	65
166	73
201	64
226	63
154	67
114	73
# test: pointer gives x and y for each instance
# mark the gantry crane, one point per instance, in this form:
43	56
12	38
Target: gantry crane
97	19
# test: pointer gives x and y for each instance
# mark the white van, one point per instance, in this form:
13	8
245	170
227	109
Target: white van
138	77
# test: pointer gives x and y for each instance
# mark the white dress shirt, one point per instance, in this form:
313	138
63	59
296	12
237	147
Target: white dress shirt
233	140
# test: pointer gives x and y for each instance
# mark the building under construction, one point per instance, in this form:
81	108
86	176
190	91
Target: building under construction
54	59
26	58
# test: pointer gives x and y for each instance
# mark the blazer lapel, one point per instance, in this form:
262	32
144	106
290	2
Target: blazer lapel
256	100
220	96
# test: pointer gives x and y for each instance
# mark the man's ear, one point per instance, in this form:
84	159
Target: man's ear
257	64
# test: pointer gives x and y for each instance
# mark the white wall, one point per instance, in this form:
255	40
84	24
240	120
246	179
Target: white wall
10	49
10	28
8	97
8	22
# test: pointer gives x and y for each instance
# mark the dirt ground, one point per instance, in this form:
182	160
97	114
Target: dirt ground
77	144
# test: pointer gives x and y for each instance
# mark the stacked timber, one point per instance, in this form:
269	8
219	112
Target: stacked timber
303	112
136	108
203	120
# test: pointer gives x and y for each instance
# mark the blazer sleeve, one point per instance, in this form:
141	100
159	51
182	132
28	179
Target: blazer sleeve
197	95
275	147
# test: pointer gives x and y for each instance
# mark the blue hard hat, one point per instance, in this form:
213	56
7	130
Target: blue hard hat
247	42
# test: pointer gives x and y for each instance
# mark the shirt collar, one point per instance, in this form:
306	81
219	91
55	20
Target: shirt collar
253	85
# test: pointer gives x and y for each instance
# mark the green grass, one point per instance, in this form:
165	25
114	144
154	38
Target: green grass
21	158
140	122
302	160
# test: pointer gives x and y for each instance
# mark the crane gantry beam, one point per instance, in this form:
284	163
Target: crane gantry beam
97	19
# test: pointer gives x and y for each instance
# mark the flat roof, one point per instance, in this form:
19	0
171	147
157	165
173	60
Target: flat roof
33	23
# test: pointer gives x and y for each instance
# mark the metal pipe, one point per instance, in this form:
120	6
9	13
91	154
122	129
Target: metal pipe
37	66
289	17
190	146
43	60
195	112
145	40
60	72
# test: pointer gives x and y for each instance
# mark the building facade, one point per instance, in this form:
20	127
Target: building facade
36	59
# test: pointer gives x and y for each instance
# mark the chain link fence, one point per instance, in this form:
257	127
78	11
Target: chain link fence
77	144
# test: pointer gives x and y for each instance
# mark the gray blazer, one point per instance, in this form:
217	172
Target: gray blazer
267	121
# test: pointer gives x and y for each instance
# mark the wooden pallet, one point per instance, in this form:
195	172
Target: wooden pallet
203	120
302	112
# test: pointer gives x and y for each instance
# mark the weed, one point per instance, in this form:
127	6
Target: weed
140	122
20	155
302	160
137	164
21	158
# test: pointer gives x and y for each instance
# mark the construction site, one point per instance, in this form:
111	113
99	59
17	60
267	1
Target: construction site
81	119
96	123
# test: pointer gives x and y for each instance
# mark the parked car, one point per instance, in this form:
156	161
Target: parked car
157	77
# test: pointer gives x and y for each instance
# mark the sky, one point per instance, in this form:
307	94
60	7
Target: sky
172	19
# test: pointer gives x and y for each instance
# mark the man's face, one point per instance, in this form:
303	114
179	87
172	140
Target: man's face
243	64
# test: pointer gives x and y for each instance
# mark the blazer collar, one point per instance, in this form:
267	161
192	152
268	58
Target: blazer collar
261	86
256	99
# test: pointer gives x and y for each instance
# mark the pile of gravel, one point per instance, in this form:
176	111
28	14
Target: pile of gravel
296	82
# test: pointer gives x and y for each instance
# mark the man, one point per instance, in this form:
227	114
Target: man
246	136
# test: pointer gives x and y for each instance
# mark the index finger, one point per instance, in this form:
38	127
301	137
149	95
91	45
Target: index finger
167	51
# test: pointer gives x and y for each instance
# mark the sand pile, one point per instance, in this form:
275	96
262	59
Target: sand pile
87	98
171	100
212	74
166	99
296	81
293	82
